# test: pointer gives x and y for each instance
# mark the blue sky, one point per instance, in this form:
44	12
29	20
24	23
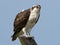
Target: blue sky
46	31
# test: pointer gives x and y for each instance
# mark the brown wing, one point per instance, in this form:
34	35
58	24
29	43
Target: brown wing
21	20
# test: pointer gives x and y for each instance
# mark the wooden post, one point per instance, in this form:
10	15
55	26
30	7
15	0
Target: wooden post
27	40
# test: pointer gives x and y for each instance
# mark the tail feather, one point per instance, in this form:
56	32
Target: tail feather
14	37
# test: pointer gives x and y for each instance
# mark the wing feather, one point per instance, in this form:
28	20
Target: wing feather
21	20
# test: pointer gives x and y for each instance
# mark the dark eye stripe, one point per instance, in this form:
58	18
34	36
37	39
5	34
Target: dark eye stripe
32	7
37	7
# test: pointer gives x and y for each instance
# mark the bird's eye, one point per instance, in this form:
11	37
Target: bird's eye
32	7
37	7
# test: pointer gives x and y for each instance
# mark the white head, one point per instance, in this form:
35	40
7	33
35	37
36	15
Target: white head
36	8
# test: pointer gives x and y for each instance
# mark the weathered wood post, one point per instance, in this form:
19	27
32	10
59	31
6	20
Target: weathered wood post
27	40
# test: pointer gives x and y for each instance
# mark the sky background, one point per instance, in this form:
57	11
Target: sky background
46	31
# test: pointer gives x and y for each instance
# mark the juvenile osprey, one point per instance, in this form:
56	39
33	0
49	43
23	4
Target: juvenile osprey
25	20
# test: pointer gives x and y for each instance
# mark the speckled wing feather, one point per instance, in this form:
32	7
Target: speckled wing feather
20	22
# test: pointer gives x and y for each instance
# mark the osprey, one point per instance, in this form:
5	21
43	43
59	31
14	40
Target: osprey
25	20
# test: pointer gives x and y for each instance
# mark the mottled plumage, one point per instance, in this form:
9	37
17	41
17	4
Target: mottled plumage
25	20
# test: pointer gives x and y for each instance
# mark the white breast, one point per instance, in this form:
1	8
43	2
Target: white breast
31	22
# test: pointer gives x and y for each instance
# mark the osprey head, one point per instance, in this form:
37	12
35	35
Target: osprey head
36	8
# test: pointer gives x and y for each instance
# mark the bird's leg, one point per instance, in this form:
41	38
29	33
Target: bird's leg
25	33
28	33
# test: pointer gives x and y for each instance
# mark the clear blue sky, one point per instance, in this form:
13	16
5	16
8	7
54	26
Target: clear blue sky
46	31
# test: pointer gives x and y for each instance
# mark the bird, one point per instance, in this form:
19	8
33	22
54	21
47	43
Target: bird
25	21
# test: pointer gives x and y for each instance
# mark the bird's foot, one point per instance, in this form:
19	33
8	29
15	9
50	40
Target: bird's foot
25	35
29	36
